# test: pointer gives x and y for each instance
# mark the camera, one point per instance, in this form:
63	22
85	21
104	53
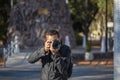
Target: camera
56	44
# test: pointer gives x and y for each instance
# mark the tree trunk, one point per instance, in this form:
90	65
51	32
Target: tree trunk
32	18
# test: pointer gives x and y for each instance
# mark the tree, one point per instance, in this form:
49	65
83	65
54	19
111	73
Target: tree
82	13
102	12
87	12
4	18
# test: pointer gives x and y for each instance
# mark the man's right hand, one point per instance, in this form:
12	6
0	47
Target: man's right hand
47	46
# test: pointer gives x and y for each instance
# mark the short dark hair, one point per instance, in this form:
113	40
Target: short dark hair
52	32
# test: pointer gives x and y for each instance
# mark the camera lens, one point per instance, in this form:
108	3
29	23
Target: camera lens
56	44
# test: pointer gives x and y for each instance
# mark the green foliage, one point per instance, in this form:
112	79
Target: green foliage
101	4
100	17
110	10
82	12
4	17
102	7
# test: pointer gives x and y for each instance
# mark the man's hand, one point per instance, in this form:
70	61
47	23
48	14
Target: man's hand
47	46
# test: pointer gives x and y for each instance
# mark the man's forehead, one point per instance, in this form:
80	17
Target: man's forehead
51	37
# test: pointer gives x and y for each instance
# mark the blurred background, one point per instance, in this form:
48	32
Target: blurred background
86	26
91	21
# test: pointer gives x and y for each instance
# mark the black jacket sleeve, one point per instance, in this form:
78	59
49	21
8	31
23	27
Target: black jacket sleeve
34	57
62	61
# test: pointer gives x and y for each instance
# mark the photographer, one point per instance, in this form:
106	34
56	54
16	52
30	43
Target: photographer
55	58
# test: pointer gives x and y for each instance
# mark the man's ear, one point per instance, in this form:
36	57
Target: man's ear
44	38
60	39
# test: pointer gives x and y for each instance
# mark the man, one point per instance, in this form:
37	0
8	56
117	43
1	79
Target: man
54	56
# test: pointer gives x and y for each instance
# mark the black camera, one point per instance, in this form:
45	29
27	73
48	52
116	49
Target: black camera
56	44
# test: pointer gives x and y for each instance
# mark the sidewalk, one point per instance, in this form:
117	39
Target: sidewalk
100	58
20	61
81	50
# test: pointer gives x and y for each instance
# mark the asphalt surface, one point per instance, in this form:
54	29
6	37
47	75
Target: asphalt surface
79	73
92	73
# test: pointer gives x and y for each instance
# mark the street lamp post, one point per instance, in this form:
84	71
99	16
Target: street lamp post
106	32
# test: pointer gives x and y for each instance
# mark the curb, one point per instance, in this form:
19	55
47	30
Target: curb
96	62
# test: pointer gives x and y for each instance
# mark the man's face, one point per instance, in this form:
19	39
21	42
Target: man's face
50	39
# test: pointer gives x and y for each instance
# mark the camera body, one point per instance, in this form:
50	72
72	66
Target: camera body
56	44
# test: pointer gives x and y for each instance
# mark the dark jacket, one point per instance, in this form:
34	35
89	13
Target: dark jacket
53	66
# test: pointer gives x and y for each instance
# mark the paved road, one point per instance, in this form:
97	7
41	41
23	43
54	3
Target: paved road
92	73
79	73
